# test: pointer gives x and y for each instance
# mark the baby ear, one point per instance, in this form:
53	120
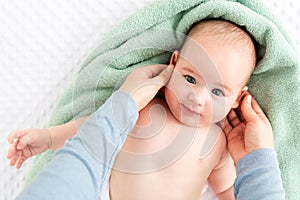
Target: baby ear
239	97
174	58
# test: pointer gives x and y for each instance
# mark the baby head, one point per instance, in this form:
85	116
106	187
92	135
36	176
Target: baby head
211	72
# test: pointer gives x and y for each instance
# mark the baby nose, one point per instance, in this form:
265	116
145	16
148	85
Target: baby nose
200	96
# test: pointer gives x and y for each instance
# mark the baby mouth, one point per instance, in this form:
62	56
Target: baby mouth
189	110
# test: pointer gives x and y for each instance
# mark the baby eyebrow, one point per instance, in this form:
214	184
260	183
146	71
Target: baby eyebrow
191	71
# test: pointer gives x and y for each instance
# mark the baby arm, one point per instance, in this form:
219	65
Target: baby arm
27	143
59	134
222	177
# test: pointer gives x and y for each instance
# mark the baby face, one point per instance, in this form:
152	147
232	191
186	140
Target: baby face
207	81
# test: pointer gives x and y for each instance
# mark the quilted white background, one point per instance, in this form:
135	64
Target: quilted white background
42	43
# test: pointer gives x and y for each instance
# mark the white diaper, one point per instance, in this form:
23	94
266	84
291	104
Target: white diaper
105	192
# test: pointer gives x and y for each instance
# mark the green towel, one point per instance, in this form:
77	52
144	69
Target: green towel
153	32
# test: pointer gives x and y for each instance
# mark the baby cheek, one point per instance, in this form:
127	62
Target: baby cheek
220	108
179	87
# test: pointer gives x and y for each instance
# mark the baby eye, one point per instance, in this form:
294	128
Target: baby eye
217	92
190	79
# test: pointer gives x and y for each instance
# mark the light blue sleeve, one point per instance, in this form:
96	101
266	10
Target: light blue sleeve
258	177
82	167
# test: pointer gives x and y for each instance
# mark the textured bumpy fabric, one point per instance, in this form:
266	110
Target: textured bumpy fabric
150	35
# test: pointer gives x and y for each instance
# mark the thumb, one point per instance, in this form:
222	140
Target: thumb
246	109
164	77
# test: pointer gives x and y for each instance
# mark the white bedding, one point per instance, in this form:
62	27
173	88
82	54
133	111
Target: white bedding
41	45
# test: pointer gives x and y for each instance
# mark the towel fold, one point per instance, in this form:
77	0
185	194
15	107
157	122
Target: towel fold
151	34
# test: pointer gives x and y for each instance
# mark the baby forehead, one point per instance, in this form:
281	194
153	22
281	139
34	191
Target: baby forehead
193	53
209	48
195	59
210	52
227	31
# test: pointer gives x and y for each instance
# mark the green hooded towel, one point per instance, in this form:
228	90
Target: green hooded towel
150	35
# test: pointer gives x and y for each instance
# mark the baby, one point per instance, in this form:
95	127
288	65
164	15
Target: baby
176	145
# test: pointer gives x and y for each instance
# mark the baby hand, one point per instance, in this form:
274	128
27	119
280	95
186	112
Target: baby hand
27	143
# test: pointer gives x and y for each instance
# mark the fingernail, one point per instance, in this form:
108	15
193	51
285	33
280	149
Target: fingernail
248	99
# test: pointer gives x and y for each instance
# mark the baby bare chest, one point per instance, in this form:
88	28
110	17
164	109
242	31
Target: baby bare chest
161	159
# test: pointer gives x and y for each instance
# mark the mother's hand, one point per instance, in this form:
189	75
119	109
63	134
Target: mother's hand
251	133
143	83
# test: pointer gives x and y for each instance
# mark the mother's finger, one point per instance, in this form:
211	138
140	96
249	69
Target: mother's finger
226	127
163	78
233	118
152	70
255	106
